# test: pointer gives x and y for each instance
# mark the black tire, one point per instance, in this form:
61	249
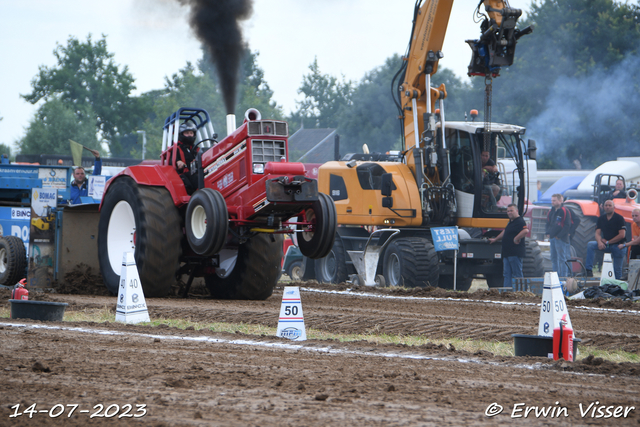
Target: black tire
153	221
207	222
255	272
333	267
323	215
585	232
13	260
411	262
295	271
494	280
533	262
308	269
463	282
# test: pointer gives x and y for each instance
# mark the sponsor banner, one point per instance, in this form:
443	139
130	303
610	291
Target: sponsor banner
53	178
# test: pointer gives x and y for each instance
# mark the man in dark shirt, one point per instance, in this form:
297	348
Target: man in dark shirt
610	232
513	245
558	227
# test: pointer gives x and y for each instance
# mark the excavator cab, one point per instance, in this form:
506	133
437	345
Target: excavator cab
485	192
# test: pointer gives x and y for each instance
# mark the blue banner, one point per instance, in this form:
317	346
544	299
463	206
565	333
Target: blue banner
445	238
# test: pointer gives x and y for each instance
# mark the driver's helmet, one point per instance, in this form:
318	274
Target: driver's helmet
188	125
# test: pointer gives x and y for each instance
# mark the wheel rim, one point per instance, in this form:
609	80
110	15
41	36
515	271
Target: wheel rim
393	266
3	260
296	273
329	266
199	222
310	216
121	234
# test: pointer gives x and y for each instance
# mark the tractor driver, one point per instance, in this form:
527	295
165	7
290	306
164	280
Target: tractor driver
619	192
186	154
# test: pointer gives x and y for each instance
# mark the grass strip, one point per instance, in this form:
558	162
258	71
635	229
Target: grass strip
497	348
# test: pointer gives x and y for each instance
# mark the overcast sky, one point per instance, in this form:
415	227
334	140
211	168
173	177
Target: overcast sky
153	38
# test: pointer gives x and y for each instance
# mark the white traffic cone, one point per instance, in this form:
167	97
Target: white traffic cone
607	269
291	320
131	306
553	306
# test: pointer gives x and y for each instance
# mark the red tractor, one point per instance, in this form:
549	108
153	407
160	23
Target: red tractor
230	230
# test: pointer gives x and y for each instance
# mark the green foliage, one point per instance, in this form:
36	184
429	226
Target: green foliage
89	84
460	98
578	48
324	98
52	127
371	117
6	150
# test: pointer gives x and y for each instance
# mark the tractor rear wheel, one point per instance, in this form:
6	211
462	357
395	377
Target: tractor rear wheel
322	214
143	220
254	273
585	232
13	260
410	262
333	267
207	222
533	262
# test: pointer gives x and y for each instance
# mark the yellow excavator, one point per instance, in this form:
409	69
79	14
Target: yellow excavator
439	178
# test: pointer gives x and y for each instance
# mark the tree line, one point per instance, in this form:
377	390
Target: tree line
573	83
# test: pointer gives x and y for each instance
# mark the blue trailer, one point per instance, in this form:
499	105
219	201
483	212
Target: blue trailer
34	234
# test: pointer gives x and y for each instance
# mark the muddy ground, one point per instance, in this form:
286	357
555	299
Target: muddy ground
196	377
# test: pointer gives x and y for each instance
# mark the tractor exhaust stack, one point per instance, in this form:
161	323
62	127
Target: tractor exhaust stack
231	123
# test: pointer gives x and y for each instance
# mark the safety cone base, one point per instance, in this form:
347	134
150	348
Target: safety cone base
131	306
553	306
291	319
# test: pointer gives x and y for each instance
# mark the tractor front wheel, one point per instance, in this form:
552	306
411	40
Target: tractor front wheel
207	222
322	214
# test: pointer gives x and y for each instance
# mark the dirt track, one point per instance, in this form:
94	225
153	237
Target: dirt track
203	378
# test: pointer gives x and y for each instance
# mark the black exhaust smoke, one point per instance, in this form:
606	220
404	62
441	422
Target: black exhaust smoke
216	24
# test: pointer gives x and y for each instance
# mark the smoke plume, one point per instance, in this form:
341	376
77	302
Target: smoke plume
592	118
217	25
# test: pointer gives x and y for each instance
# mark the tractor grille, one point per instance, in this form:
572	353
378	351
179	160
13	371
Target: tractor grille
267	151
268	128
539	222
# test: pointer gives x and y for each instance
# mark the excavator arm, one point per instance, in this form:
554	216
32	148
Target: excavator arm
424	156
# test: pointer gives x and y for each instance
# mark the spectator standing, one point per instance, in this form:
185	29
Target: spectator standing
513	245
610	233
558	229
634	244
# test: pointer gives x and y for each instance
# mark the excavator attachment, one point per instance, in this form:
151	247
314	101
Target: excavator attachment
497	43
